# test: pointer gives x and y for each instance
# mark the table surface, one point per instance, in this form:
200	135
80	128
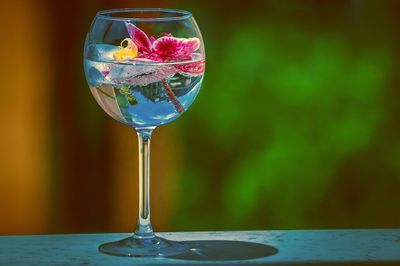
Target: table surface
291	247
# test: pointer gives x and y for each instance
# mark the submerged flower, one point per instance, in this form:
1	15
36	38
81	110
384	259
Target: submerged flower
192	68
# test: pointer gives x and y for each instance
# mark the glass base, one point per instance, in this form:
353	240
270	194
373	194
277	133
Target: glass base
134	246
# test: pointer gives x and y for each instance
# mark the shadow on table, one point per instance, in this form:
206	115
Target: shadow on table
220	250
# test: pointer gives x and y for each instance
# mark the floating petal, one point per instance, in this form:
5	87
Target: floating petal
126	53
151	57
175	48
140	38
152	40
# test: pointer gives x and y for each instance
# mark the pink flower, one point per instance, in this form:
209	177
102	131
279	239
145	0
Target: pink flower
171	48
151	57
139	38
167	49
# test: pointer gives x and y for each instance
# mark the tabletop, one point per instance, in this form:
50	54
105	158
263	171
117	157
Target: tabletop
289	247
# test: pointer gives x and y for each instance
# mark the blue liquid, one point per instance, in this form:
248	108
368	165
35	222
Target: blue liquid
138	95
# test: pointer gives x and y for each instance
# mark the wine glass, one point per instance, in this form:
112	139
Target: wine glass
144	67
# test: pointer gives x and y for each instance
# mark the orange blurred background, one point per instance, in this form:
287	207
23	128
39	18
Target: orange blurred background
54	175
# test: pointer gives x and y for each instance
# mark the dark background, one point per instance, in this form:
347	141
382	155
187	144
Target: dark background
296	125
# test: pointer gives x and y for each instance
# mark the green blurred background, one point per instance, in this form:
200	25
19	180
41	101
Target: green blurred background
296	125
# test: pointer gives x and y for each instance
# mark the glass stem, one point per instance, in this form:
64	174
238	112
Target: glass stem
144	228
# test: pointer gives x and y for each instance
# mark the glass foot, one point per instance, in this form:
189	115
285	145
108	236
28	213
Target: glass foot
134	246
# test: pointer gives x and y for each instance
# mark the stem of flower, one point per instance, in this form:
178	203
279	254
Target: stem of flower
131	99
172	97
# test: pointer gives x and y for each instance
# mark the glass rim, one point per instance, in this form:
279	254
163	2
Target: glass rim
179	14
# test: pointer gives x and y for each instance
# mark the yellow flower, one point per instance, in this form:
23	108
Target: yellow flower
127	51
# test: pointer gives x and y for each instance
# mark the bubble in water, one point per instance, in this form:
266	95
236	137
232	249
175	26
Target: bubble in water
140	74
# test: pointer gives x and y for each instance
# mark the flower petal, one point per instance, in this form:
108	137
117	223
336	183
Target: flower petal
192	68
105	72
166	34
126	53
139	38
175	48
152	40
152	57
